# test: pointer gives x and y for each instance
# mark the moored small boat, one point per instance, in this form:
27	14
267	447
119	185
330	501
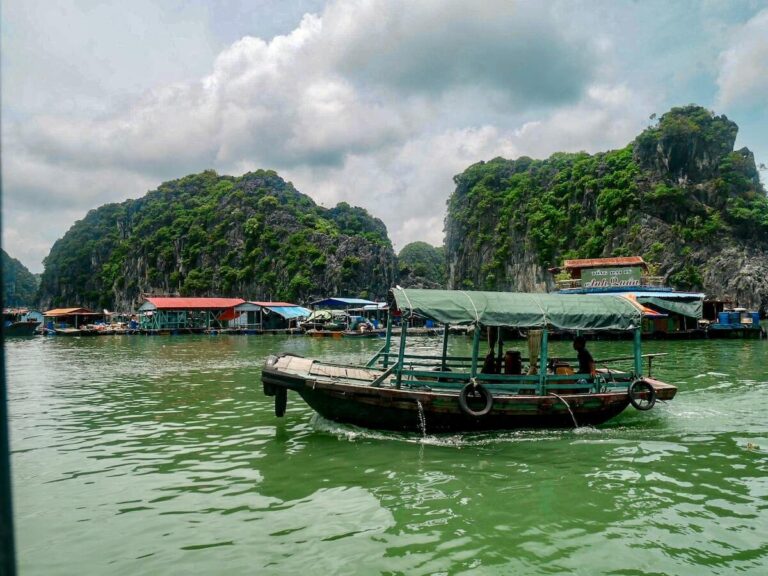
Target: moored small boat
397	390
16	322
21	328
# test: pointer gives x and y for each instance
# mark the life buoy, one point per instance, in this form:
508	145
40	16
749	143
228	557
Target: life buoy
281	401
637	388
475	390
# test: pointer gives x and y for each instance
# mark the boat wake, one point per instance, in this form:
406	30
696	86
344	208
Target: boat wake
451	440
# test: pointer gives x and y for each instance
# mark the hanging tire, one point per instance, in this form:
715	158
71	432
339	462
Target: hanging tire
471	392
281	401
635	390
269	389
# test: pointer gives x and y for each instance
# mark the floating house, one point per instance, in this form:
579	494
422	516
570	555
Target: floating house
187	315
269	316
337	303
671	313
376	313
63	318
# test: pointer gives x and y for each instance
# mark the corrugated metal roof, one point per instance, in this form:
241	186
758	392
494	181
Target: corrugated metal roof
269	304
69	312
601	262
341	302
193	303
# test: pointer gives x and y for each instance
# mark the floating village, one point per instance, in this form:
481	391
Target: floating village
666	313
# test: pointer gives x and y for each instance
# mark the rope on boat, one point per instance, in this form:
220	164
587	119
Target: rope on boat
410	306
477	314
575	424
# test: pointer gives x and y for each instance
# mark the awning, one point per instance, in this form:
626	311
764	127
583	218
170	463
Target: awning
289	312
692	309
647	312
519	310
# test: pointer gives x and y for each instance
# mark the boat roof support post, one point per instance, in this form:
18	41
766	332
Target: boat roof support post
638	354
543	359
401	353
475	348
388	342
445	346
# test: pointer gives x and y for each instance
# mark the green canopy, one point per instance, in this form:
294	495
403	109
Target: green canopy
519	310
690	308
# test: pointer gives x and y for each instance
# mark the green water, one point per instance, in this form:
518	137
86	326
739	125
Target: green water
160	455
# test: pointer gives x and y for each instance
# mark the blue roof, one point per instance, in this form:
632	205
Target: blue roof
643	291
289	312
341	302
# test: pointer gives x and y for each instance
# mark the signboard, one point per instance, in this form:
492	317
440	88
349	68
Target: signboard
611	277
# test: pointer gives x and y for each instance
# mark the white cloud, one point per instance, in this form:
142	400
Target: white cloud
408	186
743	73
377	101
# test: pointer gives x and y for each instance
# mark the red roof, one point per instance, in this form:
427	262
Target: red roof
194	303
604	262
56	312
269	304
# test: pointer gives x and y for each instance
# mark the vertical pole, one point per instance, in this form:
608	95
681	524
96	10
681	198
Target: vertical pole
388	342
500	356
475	349
400	359
445	346
638	354
543	355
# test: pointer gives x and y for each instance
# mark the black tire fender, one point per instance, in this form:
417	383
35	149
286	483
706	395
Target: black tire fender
475	390
638	387
281	401
269	389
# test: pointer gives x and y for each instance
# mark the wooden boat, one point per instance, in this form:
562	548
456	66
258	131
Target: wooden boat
373	333
20	328
397	390
17	323
82	331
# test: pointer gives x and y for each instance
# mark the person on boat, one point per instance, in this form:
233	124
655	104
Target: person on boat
513	363
586	362
489	365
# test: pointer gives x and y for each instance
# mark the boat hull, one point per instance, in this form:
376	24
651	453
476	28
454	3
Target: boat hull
21	328
419	409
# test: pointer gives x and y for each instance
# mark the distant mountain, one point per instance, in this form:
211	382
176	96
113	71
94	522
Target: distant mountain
421	265
252	236
678	195
19	284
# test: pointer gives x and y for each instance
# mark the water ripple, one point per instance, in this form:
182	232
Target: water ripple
161	455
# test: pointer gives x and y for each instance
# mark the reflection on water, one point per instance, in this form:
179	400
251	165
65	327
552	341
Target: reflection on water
161	455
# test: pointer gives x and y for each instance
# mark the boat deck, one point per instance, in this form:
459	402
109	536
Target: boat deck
309	369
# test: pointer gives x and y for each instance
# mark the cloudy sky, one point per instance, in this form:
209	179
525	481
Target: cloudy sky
375	102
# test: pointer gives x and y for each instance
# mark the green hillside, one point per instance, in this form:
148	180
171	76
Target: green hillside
252	236
678	195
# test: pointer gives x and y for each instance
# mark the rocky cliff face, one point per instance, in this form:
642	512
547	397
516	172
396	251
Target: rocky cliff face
679	196
19	284
254	237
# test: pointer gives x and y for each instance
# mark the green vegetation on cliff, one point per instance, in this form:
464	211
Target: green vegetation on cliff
252	236
675	193
421	265
19	284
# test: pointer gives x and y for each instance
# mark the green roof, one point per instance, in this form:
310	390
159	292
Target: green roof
519	310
